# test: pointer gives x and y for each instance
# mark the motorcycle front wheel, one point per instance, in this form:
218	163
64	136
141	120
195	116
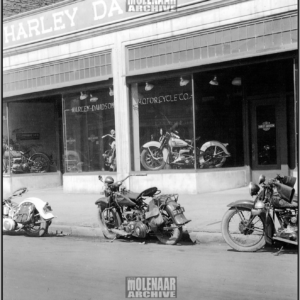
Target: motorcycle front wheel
152	163
213	157
242	231
109	219
40	162
37	228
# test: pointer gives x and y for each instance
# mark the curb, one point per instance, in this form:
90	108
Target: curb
197	237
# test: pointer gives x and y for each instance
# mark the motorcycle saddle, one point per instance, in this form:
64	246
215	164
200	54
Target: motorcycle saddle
146	193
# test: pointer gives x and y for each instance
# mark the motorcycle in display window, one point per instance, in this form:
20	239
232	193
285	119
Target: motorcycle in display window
23	162
179	153
110	160
32	215
125	214
249	225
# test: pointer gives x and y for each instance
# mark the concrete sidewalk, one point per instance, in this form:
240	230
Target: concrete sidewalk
77	213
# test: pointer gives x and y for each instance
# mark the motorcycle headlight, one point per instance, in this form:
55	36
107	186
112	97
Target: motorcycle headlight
259	205
253	189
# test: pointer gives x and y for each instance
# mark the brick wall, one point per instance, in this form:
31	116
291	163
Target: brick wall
13	7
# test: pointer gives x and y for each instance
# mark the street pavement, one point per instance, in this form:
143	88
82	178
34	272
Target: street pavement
76	213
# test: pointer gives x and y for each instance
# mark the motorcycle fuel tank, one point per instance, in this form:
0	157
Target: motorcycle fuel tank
177	143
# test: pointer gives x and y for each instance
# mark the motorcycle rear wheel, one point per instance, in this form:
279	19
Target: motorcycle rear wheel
37	229
109	219
40	161
150	163
171	236
212	157
241	236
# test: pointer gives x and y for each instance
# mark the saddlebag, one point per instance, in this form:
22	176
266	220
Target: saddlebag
24	213
175	211
154	216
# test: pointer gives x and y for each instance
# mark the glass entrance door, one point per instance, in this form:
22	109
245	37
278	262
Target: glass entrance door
264	136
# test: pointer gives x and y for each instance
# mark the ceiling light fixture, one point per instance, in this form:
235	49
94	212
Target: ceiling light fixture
237	81
83	96
92	98
183	82
214	81
111	91
149	86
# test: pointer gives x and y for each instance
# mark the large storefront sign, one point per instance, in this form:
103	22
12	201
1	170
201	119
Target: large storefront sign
75	17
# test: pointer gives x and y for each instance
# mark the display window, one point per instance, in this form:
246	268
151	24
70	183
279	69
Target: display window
190	122
29	142
89	131
162	122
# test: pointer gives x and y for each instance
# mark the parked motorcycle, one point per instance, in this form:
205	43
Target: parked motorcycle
23	162
249	225
179	153
32	215
123	213
110	155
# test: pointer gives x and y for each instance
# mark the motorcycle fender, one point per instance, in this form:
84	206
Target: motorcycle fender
242	204
178	218
151	144
214	143
103	202
39	205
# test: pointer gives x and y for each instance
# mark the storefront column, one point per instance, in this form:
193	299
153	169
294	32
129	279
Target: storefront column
135	126
121	111
296	110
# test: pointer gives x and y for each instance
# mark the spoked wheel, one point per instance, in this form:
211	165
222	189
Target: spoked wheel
40	161
109	219
154	161
242	231
168	233
38	227
213	157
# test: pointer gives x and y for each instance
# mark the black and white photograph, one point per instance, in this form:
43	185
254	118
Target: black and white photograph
150	149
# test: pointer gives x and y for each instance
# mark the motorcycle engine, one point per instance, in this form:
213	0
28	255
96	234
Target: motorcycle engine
19	167
133	225
289	229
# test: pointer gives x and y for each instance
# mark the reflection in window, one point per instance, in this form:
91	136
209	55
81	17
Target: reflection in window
89	131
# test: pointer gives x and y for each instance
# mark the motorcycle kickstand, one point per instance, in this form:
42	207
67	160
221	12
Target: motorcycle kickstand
278	252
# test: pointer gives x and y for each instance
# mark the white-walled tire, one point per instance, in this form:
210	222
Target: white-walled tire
241	236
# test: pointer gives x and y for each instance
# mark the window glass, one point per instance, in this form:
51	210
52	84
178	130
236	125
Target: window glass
31	136
89	131
162	119
5	141
163	129
219	118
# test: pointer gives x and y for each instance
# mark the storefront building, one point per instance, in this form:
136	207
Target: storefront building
83	79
